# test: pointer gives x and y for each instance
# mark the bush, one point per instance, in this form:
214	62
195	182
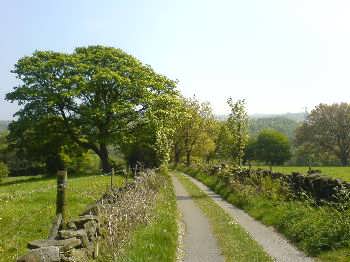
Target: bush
3	170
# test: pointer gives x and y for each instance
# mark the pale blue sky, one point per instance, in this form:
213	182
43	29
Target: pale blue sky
281	55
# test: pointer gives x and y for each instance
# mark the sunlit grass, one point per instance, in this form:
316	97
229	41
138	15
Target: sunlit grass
333	171
27	207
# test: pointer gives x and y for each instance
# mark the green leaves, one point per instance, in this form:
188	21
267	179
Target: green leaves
271	147
237	124
100	94
327	130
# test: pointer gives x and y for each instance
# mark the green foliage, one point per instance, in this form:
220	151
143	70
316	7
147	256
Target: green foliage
271	147
237	124
164	118
225	140
281	124
98	95
40	141
3	171
250	151
327	130
195	131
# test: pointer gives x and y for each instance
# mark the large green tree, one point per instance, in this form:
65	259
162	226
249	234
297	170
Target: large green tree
193	133
327	130
98	94
271	147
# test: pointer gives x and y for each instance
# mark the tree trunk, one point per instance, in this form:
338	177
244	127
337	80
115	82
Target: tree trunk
177	154
188	158
105	163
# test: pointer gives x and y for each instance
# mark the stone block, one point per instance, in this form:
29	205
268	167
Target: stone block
63	244
81	234
43	254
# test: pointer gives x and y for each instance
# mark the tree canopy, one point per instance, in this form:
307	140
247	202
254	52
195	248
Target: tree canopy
195	130
97	95
271	147
327	129
237	124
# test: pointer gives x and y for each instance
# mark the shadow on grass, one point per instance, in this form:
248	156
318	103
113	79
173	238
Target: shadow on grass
33	179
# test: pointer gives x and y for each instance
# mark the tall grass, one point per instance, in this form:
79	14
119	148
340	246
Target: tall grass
140	223
156	241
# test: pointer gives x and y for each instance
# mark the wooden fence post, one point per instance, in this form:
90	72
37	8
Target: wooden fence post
61	193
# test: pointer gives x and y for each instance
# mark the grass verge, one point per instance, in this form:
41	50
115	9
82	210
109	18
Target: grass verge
332	171
27	207
156	241
322	232
235	242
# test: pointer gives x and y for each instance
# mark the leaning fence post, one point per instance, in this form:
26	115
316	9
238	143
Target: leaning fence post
61	193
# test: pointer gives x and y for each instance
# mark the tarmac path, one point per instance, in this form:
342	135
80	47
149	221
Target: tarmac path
277	246
199	243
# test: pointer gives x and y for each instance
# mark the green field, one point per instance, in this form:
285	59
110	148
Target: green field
27	207
333	171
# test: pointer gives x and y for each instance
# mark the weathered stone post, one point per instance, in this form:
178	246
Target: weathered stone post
61	193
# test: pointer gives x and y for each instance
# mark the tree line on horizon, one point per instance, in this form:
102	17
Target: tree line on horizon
100	103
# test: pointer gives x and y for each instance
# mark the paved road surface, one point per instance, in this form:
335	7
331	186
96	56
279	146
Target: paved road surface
199	243
273	243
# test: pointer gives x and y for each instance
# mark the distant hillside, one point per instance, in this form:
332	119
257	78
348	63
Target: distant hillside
282	124
298	117
3	125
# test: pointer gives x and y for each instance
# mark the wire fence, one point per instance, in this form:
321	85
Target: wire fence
26	212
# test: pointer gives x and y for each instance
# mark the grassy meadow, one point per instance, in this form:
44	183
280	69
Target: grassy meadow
333	171
27	207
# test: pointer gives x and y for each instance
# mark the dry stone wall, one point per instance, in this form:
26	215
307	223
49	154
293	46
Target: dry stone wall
78	239
109	219
316	185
